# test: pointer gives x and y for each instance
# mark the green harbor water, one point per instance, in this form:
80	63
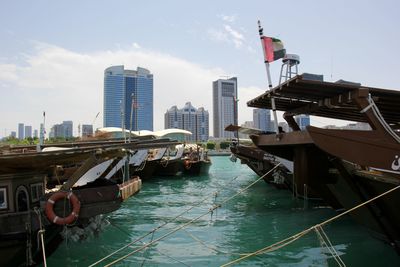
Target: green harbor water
257	218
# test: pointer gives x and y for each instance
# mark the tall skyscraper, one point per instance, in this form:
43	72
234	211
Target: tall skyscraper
262	119
189	118
21	132
68	128
128	94
224	106
28	131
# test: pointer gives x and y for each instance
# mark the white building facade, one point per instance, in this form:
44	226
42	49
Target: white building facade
190	119
224	106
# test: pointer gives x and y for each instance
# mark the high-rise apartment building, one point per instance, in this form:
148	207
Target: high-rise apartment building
21	133
64	130
189	118
202	124
173	118
28	131
57	131
262	119
224	106
128	98
68	129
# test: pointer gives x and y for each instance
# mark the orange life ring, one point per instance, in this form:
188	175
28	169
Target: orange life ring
76	206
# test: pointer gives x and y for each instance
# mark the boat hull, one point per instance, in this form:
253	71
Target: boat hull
196	167
169	168
366	148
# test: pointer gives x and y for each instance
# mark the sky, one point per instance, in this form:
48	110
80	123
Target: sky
53	53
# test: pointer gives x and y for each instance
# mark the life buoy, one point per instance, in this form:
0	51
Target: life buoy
76	206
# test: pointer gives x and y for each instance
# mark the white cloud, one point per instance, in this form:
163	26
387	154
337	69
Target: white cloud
7	72
228	18
218	35
136	45
227	35
69	85
237	37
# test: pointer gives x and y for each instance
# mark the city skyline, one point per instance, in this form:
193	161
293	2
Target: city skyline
50	63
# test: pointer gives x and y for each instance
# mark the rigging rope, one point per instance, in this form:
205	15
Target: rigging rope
188	223
125	232
328	244
41	233
298	235
160	226
211	248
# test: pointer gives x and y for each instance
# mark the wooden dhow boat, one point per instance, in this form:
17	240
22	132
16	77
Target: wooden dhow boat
195	160
30	213
260	161
346	167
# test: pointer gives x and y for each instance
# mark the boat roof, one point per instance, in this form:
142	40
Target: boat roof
41	161
158	134
327	99
242	129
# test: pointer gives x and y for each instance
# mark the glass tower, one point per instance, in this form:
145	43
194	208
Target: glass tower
224	106
262	119
128	98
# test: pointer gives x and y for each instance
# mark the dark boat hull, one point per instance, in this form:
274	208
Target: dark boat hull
169	168
261	163
146	172
196	167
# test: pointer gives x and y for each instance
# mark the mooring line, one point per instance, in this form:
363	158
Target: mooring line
162	225
210	247
143	243
300	234
324	239
191	221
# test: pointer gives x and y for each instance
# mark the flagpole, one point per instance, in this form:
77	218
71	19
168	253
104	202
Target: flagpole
130	129
260	31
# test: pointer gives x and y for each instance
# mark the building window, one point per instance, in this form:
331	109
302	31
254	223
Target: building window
36	191
3	198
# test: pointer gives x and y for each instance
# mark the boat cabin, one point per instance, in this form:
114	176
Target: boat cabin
20	192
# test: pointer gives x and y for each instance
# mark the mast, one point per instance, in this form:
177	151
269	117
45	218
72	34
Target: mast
260	31
130	128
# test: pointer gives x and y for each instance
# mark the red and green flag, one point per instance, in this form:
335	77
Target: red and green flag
273	49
